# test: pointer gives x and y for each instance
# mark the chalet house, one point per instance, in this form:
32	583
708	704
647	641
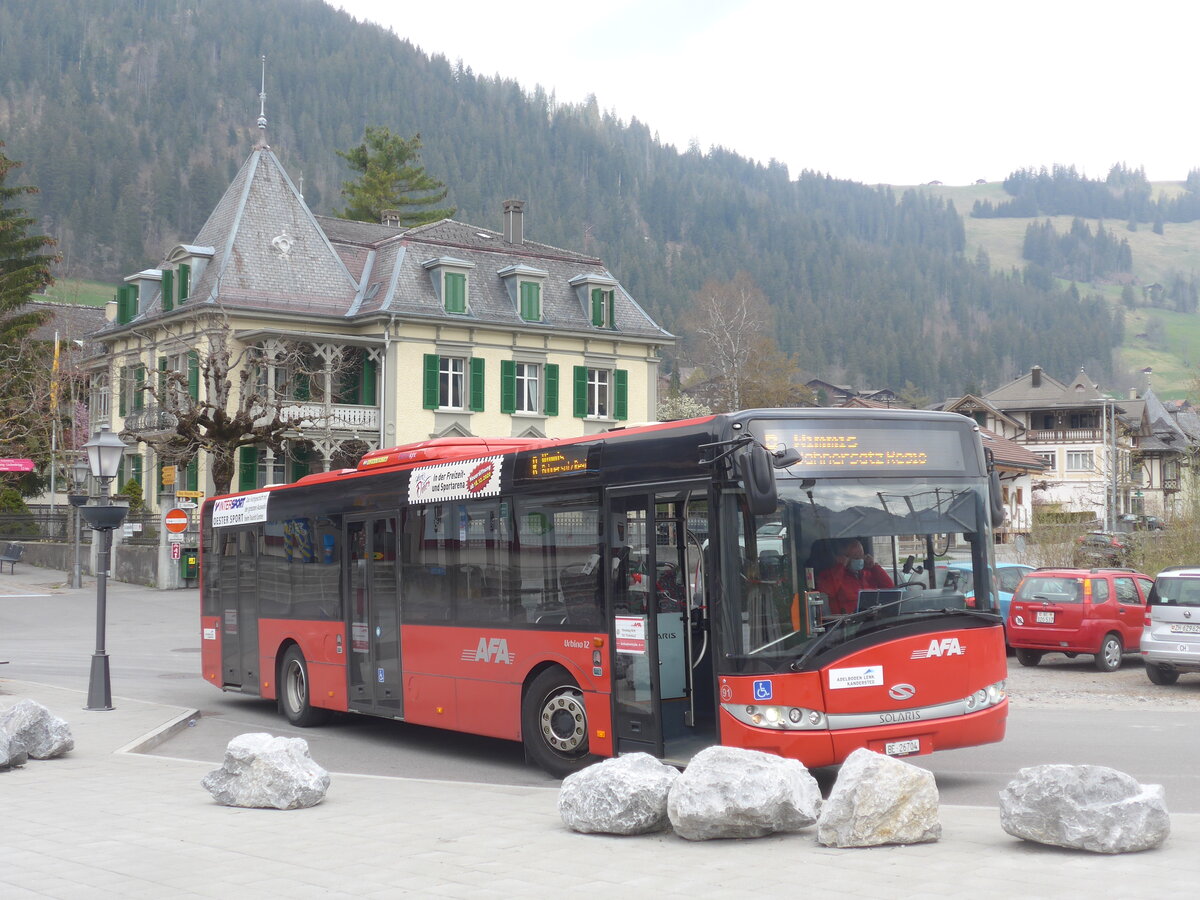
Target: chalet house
1161	475
370	335
1070	428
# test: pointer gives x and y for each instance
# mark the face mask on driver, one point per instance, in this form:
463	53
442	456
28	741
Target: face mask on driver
856	565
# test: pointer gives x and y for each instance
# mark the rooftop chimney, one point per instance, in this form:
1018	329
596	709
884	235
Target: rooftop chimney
514	224
390	217
1035	375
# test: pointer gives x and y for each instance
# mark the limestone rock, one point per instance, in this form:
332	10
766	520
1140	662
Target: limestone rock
44	734
624	795
879	800
261	771
1084	807
12	751
728	792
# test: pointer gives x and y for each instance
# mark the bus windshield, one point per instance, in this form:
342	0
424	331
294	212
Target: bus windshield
792	588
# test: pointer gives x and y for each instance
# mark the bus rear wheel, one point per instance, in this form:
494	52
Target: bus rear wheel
554	723
294	691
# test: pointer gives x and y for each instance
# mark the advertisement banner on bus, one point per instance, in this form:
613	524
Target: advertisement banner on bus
243	510
456	480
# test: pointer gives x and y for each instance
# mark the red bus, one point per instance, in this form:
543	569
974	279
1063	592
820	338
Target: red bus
656	588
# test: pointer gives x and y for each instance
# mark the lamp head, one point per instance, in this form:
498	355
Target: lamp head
104	453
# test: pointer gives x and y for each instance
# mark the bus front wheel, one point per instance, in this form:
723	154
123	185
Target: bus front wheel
554	723
294	691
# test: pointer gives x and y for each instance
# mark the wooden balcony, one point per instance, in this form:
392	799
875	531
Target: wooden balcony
336	417
1064	436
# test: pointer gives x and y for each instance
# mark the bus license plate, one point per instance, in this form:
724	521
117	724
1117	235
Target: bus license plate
902	748
1046	618
1185	628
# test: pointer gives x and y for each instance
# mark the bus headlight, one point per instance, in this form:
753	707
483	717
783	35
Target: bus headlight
794	718
985	697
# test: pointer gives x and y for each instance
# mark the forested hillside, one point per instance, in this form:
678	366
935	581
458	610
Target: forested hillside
132	115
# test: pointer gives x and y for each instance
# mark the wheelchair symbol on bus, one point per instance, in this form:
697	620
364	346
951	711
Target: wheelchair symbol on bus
762	690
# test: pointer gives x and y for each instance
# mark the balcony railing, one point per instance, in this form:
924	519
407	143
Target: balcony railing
1064	435
337	417
151	420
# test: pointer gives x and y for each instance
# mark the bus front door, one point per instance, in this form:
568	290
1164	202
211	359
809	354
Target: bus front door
654	675
374	616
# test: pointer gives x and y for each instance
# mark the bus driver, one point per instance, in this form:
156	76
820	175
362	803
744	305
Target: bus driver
853	570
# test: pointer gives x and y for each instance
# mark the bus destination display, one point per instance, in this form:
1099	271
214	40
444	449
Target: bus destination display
847	448
558	461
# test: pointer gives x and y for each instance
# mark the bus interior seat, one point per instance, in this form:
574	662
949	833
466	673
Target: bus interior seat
581	594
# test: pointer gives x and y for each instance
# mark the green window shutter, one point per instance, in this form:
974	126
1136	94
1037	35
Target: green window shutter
597	307
135	468
193	375
120	479
162	380
300	462
185	281
430	391
581	392
302	389
247	468
531	301
123	315
508	386
193	475
133	302
455	288
168	290
366	391
621	389
476	404
550	392
122	389
139	388
610	308
158	473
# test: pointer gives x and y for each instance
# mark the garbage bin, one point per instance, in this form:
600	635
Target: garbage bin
189	564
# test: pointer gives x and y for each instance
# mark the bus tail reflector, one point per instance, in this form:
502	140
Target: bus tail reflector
601	734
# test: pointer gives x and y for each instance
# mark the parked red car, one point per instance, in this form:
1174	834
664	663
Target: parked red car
1071	611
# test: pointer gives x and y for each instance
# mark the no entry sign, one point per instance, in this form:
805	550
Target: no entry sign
176	520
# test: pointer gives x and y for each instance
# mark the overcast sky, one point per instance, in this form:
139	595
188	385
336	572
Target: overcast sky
874	90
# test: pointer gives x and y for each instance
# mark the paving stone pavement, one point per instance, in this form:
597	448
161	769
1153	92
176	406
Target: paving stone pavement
107	821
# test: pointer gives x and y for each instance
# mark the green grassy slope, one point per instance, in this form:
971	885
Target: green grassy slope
1169	341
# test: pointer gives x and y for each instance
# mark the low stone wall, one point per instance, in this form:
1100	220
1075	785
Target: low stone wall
132	563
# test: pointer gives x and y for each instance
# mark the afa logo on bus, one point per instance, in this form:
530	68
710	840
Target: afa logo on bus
489	650
944	647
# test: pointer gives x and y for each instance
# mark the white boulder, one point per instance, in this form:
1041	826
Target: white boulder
879	800
1084	807
624	795
262	772
728	792
43	734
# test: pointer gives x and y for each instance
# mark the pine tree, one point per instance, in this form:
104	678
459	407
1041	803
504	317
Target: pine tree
391	177
24	266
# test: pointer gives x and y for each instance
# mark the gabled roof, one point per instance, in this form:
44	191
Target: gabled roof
1009	454
1160	430
1037	390
969	403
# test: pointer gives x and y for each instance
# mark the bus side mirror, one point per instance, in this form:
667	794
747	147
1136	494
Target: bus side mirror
758	476
997	498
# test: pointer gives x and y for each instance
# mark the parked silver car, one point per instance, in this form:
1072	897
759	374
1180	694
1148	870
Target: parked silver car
1171	636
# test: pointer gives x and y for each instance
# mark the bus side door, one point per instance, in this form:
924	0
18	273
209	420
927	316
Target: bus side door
373	609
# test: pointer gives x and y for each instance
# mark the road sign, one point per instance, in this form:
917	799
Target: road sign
16	465
168	476
176	551
176	520
173	538
195	495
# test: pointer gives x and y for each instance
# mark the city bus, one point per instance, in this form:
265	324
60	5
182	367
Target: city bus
655	588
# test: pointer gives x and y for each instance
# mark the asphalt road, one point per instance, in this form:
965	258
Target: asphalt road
1062	711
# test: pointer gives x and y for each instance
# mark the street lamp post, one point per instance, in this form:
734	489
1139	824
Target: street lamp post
78	499
104	456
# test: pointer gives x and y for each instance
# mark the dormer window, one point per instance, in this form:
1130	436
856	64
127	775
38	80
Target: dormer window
524	285
450	283
597	295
